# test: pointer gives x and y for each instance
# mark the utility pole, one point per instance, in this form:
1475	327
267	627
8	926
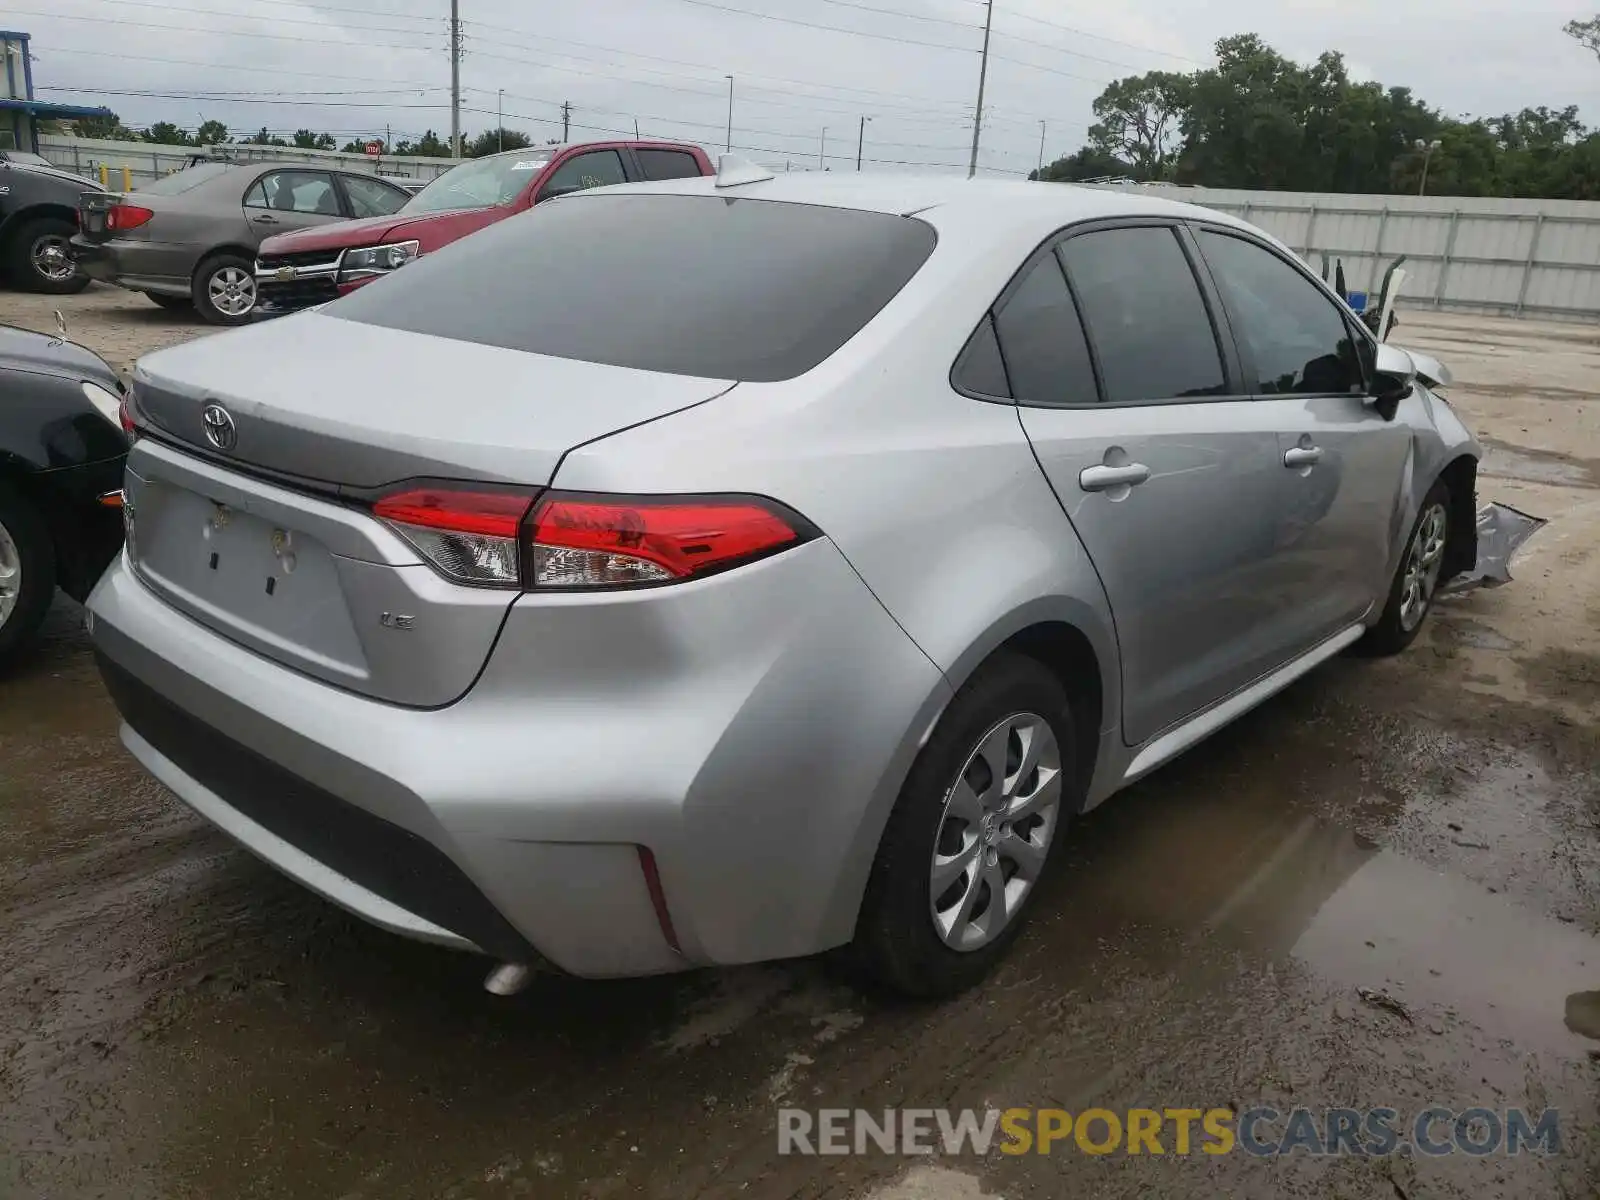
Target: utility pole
500	118
729	146
861	138
822	150
455	78
636	129
1041	149
983	75
566	119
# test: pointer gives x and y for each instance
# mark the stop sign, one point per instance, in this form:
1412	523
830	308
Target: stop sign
374	148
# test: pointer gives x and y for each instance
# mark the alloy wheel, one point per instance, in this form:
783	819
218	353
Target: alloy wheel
1423	561
995	831
10	575
51	257
232	291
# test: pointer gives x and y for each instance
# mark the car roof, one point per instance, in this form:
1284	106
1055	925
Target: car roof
1048	204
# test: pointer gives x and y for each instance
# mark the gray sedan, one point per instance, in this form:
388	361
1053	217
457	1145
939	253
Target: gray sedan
191	238
705	571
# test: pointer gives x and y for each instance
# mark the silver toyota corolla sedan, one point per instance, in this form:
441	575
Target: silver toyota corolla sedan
719	570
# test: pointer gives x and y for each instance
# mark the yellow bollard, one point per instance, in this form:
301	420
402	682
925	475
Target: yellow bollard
127	179
105	178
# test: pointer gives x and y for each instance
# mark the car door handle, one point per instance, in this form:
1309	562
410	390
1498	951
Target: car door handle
1302	456
265	220
1103	478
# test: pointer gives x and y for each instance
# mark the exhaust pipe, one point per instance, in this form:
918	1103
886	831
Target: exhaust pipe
508	979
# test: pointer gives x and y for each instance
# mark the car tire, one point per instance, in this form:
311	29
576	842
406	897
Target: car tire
34	257
224	289
926	938
1416	581
27	575
171	303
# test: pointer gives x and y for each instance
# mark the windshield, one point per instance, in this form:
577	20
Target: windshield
185	180
716	287
481	183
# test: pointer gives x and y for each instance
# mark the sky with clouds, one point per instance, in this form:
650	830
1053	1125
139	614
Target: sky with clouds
804	71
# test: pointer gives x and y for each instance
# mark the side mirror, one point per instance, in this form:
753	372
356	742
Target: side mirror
1393	378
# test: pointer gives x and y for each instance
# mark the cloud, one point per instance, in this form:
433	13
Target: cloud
360	67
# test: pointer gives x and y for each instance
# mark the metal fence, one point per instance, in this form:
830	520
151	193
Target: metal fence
1502	256
145	162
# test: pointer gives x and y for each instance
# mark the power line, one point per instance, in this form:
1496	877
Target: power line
222	98
882	37
189	62
209	94
300	4
1101	38
276	37
900	12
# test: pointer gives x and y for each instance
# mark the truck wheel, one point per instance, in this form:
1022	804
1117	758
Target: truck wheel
40	257
27	575
225	289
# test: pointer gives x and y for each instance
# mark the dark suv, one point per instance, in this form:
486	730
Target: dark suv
38	216
312	266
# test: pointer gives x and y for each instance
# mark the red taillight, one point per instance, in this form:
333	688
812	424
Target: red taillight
125	418
126	216
469	536
658	896
610	541
586	541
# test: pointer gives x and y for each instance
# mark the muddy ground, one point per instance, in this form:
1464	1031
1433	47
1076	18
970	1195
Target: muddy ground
178	1021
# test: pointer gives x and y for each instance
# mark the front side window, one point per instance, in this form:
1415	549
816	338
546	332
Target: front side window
598	168
1145	315
1297	338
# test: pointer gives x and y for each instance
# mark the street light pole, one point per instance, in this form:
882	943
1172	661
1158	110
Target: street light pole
500	118
1427	149
861	139
1041	149
983	74
729	146
822	150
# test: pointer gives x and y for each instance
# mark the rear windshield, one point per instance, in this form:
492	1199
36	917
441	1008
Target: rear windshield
481	183
715	286
185	180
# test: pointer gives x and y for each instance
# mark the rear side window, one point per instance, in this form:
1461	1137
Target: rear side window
185	180
668	164
714	286
598	168
980	369
372	197
1042	340
1145	313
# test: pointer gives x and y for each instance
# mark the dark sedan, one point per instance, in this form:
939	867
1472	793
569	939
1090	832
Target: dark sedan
62	447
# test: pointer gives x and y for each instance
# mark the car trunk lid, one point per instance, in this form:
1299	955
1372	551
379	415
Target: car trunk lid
271	541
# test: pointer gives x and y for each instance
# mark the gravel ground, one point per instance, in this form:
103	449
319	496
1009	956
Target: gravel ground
177	1021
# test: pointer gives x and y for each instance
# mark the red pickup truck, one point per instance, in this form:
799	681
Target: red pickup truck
312	266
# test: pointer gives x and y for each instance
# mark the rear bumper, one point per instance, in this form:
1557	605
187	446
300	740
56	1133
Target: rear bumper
751	730
139	266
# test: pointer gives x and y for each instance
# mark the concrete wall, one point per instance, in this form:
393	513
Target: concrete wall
147	162
1510	257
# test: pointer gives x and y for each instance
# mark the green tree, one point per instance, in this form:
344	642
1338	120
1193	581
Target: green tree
1088	163
109	127
359	145
165	133
430	145
211	133
1139	122
490	142
263	138
306	139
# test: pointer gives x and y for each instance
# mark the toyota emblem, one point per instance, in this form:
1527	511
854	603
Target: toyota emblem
220	429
